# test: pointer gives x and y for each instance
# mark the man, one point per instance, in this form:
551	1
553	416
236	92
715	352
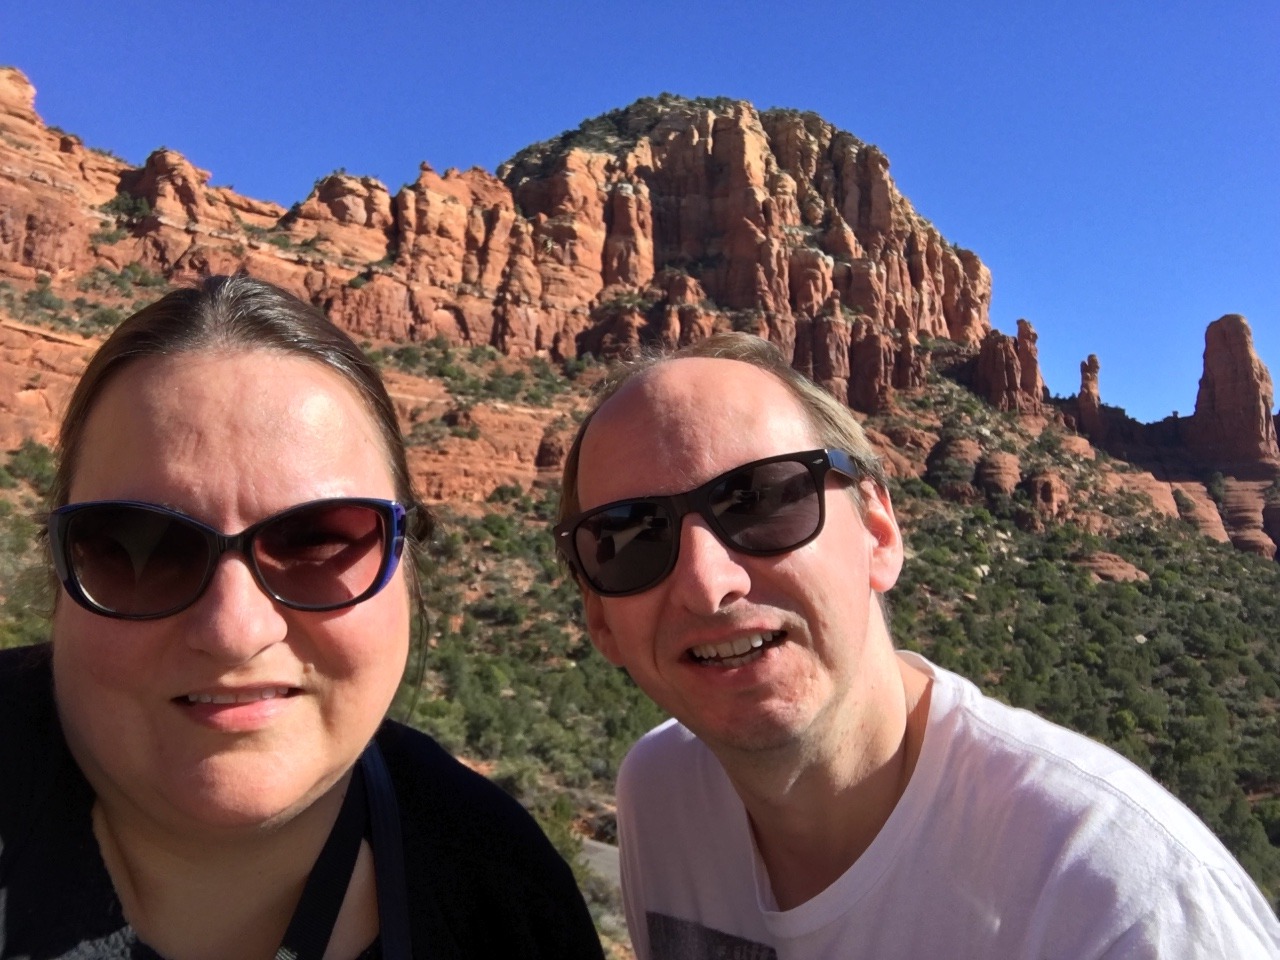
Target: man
819	794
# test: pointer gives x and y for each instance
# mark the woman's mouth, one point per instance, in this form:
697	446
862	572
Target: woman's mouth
239	696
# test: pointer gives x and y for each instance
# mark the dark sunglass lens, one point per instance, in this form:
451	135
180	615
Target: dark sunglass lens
626	547
323	555
767	508
136	562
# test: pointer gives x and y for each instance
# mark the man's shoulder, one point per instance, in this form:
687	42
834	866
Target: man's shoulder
1054	781
965	721
671	781
668	748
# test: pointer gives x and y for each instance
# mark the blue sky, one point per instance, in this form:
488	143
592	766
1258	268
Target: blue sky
1115	163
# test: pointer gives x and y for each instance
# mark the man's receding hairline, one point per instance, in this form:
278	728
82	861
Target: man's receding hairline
662	364
659	364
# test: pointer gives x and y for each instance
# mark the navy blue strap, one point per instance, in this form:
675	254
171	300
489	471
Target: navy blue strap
317	912
388	858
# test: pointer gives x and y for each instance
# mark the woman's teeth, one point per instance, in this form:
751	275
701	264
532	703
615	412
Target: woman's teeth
247	696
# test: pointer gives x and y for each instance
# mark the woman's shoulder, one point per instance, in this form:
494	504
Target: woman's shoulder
42	794
26	701
447	800
21	666
482	875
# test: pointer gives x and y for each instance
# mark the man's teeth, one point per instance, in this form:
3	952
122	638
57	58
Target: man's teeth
732	648
248	696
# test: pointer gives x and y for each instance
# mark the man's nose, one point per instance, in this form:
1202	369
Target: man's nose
708	575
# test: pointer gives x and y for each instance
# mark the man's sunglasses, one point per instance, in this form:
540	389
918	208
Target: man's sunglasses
761	508
140	561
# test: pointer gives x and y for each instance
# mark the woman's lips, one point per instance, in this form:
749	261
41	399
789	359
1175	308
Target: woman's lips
238	696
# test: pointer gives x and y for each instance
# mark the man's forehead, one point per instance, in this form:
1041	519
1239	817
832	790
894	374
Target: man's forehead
685	420
683	385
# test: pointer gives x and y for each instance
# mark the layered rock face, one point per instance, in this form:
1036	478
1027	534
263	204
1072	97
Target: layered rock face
788	227
661	222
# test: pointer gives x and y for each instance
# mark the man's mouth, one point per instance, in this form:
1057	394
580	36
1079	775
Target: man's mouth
738	651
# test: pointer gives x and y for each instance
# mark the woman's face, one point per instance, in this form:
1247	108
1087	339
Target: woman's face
228	438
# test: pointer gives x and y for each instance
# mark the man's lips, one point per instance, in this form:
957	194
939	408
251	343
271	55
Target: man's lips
737	651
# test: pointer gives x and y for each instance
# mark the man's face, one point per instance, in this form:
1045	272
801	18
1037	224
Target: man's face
825	645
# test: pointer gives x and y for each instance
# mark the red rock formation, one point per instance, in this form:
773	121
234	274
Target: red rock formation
951	467
872	360
661	222
1194	504
1243	514
822	348
38	370
771	216
1030	382
1111	568
1233	422
346	217
773	212
1271	520
628	246
1089	401
998	473
1007	374
1050	495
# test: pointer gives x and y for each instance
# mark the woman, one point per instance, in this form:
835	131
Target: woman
197	765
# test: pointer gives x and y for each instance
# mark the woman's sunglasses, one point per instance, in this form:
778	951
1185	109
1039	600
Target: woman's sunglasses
761	508
140	561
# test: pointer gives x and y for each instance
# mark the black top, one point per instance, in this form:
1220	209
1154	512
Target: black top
483	881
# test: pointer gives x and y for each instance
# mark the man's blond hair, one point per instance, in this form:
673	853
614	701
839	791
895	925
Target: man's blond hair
833	422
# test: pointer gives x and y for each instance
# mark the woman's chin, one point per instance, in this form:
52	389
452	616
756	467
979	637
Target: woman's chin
244	799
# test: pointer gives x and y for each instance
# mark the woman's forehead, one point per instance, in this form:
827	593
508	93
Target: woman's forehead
266	417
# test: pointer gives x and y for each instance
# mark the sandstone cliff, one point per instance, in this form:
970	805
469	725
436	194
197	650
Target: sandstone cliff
663	221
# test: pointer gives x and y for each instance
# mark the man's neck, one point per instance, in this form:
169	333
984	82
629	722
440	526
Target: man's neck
812	815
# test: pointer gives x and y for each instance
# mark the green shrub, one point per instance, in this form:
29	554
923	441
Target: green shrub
107	237
42	297
127	208
34	463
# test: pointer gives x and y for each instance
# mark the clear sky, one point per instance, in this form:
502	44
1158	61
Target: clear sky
1115	163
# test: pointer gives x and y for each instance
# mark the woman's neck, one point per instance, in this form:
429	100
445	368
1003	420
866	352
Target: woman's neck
200	894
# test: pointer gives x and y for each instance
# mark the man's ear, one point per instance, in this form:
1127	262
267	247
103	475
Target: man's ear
598	627
886	546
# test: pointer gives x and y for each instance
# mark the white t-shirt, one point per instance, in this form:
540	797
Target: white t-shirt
1015	840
